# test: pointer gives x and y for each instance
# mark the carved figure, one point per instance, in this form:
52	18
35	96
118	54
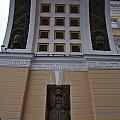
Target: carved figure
98	28
59	109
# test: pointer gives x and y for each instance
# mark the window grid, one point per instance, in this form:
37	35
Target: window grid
59	28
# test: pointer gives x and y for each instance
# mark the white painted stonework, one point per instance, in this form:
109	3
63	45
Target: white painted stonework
81	63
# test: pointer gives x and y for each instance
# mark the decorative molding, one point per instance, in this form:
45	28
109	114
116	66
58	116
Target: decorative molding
15	62
115	5
76	66
103	65
61	63
59	66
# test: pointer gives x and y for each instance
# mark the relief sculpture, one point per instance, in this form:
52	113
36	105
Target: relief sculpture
20	26
58	103
99	35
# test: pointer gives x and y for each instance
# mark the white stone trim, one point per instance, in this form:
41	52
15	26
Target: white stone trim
59	66
103	65
109	28
70	63
76	66
14	63
84	66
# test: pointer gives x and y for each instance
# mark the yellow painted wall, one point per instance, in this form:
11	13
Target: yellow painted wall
105	86
35	103
116	32
12	89
118	18
95	95
81	104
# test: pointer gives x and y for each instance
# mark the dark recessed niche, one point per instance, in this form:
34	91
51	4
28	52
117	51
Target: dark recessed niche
58	102
20	27
99	35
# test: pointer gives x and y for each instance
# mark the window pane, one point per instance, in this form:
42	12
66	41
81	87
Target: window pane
42	47
74	35
74	22
75	48
74	8
59	34
60	9
45	7
59	47
59	21
118	45
44	21
43	34
113	19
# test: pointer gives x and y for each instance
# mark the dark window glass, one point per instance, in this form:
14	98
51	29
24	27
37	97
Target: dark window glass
44	21
59	34
74	22
75	48
43	47
45	7
60	8
74	35
113	19
59	21
74	8
118	45
59	47
43	34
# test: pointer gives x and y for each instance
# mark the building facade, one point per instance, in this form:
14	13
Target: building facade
60	60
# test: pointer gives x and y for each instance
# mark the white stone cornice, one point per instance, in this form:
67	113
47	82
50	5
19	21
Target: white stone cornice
71	63
6	55
15	59
14	62
60	66
103	65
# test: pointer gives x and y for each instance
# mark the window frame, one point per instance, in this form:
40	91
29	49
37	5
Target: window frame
41	10
62	44
75	44
41	21
70	24
38	46
59	31
74	32
60	5
60	18
44	31
71	8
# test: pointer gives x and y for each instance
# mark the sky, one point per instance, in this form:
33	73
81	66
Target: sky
4	11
